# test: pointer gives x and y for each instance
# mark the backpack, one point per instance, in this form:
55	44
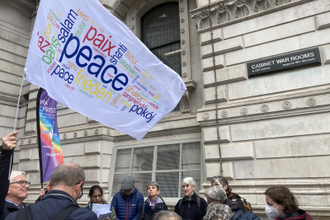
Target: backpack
198	203
25	214
246	204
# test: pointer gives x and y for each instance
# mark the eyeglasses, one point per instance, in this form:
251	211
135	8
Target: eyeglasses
22	182
81	191
96	196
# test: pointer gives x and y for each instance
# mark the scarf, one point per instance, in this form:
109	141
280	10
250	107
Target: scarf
152	205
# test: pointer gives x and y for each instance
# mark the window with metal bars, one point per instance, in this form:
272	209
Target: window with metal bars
166	164
160	32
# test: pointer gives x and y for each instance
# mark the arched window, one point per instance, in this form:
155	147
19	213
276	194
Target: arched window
161	34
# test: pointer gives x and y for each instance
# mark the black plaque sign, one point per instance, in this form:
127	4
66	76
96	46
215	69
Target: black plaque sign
288	61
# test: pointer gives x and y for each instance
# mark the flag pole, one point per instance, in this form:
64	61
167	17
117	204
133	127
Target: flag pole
39	137
17	108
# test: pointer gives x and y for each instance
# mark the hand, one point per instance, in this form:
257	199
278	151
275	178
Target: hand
41	193
9	142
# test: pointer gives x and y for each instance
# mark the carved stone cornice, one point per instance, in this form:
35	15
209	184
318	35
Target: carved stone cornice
223	13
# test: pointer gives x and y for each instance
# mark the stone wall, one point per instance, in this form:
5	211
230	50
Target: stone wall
14	41
274	129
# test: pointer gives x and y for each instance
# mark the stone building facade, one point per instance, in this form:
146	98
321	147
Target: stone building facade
274	129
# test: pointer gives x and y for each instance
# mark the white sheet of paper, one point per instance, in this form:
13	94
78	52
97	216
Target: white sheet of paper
104	216
102	210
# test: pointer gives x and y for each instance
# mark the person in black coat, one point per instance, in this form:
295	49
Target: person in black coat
12	191
153	204
191	206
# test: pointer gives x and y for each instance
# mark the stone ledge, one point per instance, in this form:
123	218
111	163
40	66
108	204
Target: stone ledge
222	47
326	54
213	169
311	167
302	93
29	166
210	134
296	125
285	107
208	63
206	38
92	176
323	21
294	28
209	94
226	75
88	161
293	147
232	152
12	58
278	47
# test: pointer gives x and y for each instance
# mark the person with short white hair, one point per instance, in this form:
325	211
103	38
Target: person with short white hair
18	188
218	211
219	207
191	206
216	197
217	194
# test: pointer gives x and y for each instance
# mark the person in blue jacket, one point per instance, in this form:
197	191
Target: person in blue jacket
127	201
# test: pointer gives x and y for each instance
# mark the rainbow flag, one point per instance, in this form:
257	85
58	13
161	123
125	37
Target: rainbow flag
50	150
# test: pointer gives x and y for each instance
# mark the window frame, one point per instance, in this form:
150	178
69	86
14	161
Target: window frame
154	163
164	45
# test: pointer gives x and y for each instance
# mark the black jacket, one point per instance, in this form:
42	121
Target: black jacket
52	203
146	213
190	210
5	207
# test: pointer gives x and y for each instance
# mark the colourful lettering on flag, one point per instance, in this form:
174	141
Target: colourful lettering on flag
91	62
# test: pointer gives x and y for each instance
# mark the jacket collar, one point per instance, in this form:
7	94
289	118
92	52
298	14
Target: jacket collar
18	207
59	194
160	200
11	207
193	198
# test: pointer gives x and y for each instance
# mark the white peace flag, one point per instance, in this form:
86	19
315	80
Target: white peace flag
91	62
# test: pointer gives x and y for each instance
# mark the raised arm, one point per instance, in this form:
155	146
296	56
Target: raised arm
8	144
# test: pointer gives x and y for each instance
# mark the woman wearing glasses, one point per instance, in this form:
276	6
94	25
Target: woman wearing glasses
96	196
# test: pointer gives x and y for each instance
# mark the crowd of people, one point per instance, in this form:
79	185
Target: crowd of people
59	200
